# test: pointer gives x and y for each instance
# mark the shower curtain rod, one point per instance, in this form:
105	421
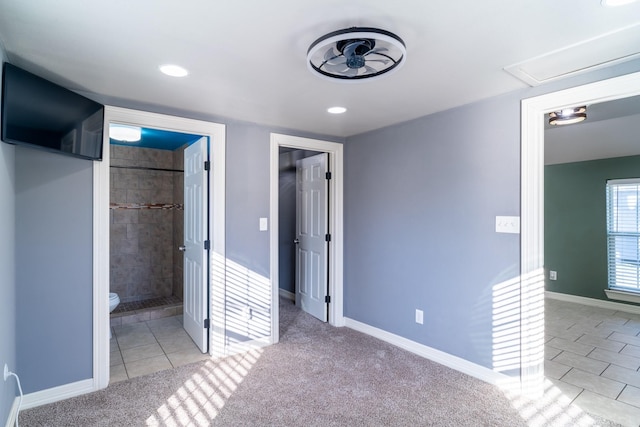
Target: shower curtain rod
146	168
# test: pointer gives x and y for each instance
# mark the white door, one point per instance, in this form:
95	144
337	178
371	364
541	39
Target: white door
312	235
196	180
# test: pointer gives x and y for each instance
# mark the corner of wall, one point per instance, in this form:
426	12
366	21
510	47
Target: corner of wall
8	389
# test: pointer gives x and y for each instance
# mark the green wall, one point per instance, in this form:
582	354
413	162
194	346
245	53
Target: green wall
575	235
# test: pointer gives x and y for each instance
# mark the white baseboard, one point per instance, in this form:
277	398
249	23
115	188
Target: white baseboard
11	421
286	294
592	302
55	394
446	359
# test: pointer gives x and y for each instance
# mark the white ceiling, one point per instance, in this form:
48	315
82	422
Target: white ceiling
612	129
247	58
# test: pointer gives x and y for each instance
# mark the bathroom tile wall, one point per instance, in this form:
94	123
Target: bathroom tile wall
142	239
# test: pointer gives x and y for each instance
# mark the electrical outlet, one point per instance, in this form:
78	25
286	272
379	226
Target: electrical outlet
6	372
553	275
419	317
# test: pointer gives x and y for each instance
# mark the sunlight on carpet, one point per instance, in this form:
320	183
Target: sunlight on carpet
202	396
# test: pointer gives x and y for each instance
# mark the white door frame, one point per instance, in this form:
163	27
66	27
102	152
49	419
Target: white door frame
101	191
532	209
336	158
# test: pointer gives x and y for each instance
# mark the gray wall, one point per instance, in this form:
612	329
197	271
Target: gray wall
575	223
53	268
8	389
421	200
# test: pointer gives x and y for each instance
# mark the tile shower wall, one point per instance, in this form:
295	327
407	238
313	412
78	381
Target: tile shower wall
142	223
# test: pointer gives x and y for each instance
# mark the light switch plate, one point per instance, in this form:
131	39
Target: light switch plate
264	224
508	224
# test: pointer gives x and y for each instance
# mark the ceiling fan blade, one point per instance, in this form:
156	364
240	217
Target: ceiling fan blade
350	49
376	50
351	72
369	70
331	57
336	68
384	61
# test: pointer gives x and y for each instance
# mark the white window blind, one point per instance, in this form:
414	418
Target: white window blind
623	234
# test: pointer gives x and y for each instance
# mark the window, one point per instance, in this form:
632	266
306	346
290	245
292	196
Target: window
623	234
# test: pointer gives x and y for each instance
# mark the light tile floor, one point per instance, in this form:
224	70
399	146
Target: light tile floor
593	356
146	347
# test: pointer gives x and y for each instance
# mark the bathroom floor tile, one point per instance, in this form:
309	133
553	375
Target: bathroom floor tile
614	410
176	343
136	338
583	363
186	356
117	373
615	392
595	383
569	345
115	358
602	343
614	358
630	395
555	370
148	366
113	344
625	375
151	346
141	352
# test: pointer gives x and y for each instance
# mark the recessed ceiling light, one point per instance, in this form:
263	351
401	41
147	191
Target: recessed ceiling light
173	70
336	110
614	3
125	132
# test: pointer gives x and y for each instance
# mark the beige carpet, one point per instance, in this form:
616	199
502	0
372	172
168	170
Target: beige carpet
316	376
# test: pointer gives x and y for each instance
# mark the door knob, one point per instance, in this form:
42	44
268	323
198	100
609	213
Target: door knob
182	248
296	241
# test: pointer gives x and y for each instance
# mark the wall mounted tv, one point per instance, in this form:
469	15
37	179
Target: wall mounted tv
41	114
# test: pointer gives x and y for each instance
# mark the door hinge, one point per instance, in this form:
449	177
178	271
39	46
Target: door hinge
207	245
327	299
327	237
207	165
328	175
206	323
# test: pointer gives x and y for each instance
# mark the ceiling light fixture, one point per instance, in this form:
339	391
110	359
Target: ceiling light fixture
125	133
568	116
336	110
173	70
615	3
357	53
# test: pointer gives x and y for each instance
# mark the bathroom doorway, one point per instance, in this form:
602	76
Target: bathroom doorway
146	208
147	212
216	135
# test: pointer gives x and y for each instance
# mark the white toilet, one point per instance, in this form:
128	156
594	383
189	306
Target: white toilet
114	300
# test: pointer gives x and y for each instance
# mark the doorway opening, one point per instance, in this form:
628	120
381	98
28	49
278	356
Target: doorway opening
215	204
146	207
283	144
149	328
532	214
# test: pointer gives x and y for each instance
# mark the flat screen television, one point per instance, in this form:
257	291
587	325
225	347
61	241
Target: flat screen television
41	114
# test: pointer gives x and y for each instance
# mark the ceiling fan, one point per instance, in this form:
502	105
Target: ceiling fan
356	53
